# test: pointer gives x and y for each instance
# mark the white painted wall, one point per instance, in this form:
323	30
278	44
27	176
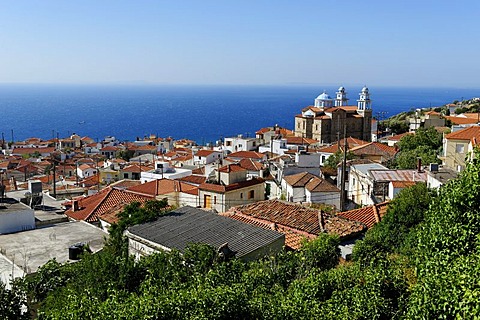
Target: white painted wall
16	220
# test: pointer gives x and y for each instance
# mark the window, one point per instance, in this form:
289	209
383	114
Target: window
298	125
251	194
228	143
241	195
214	199
459	148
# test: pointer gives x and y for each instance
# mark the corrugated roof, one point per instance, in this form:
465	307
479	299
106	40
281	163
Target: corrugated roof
191	225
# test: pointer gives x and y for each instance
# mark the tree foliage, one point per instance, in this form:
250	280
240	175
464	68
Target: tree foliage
424	144
333	160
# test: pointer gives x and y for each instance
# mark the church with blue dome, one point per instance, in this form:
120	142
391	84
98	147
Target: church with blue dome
328	116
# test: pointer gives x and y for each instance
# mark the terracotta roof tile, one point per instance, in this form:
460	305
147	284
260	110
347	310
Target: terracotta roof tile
465	134
92	206
397	137
234	186
231	168
369	215
250	165
246	154
163	186
204	153
374	148
298	219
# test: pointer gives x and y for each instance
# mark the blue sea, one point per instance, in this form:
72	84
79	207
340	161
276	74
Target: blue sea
201	113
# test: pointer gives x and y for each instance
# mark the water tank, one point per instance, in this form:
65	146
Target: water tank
35	186
75	251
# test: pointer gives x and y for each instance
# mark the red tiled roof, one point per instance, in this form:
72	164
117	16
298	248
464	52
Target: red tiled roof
92	206
330	149
293	239
218	188
299	179
465	134
403	184
204	153
32	150
300	141
163	186
317	184
231	168
200	171
297	218
461	120
398	136
374	148
311	182
250	165
134	168
193	179
369	215
246	154
109	148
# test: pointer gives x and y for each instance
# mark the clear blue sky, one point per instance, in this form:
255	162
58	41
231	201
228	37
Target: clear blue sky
350	42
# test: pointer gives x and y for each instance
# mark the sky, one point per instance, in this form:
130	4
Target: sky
249	42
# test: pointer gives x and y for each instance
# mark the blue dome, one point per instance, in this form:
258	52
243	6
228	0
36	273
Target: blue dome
324	96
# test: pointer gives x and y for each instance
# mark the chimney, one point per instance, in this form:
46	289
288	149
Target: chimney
75	206
321	221
419	164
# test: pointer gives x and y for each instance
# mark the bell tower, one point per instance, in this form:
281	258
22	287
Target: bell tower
341	99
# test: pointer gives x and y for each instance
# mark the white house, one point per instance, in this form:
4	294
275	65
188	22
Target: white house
306	187
239	143
85	171
163	170
204	157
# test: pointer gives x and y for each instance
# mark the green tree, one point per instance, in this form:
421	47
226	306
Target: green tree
12	303
333	160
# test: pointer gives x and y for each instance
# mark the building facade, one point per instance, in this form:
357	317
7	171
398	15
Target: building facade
328	117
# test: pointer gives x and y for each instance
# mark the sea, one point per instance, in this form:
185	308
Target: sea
204	114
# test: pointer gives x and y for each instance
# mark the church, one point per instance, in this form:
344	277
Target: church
327	117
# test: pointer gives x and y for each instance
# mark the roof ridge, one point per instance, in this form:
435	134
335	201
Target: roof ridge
99	203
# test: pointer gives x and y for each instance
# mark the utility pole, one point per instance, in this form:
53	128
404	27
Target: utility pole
344	165
54	180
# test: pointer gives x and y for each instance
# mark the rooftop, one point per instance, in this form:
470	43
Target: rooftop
186	225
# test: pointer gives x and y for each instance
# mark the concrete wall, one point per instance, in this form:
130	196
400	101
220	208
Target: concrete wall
16	220
330	198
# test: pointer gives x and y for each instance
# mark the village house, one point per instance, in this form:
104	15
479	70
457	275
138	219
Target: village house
455	147
240	143
86	170
373	183
268	134
164	170
177	193
90	208
188	225
230	187
305	187
206	156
